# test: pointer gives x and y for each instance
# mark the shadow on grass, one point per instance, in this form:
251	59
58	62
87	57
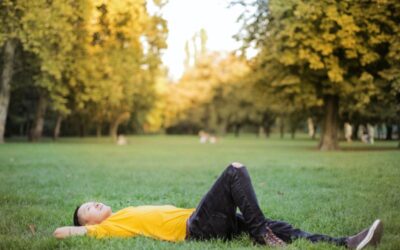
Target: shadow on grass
356	149
371	148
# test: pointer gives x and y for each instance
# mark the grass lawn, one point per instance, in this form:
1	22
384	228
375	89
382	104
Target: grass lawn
336	193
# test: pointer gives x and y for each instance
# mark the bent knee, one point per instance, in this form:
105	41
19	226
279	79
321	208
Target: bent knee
237	165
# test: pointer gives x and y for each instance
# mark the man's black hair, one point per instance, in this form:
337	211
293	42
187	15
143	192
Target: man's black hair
76	219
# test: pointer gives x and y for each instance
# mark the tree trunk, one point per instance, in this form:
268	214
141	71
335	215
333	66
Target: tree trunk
389	132
261	131
293	133
329	140
293	126
315	132
398	134
312	128
82	129
267	130
6	77
114	129
115	124
57	128
222	129
98	129
281	127
380	131
237	129
21	129
267	121
37	129
356	131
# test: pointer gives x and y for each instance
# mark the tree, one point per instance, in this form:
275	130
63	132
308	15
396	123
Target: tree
97	59
45	29
333	49
214	96
8	41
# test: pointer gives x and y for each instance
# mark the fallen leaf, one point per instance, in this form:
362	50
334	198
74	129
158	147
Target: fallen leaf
32	228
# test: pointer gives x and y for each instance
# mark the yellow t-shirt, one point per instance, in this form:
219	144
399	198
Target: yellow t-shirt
159	222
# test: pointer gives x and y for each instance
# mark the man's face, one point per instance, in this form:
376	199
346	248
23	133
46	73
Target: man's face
91	213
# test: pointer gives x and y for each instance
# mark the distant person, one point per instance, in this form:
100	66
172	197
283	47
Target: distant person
214	217
212	139
121	140
203	136
348	131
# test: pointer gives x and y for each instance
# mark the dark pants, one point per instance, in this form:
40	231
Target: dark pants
216	217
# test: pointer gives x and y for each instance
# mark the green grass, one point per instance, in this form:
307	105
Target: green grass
336	193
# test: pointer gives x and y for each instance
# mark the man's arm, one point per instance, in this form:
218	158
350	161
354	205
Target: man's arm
64	232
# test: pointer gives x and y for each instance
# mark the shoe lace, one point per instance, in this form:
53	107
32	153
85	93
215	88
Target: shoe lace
272	240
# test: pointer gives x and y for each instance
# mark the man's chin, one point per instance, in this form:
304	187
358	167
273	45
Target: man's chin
108	210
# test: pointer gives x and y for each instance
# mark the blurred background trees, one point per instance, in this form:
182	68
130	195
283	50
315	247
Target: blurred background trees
340	55
87	63
93	67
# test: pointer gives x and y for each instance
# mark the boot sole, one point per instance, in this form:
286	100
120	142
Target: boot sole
374	235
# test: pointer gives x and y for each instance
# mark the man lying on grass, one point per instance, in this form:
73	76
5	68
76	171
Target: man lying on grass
214	217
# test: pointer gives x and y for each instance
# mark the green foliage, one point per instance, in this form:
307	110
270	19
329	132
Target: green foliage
212	95
338	47
312	49
98	59
126	44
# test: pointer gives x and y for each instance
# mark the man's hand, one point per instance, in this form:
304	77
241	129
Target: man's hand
64	232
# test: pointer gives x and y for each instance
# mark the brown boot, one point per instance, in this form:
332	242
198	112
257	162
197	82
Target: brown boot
272	240
368	237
